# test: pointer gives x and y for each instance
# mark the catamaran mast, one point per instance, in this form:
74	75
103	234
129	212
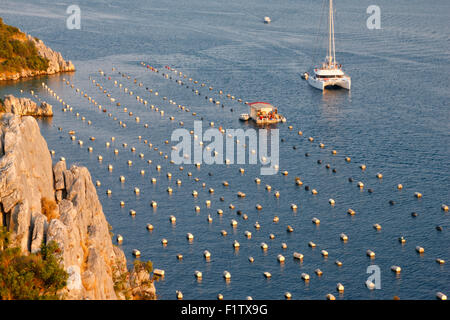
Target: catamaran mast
331	44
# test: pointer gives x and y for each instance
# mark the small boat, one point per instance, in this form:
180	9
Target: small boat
265	113
267	20
244	117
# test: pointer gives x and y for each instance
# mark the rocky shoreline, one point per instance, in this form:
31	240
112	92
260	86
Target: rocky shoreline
56	63
25	107
42	202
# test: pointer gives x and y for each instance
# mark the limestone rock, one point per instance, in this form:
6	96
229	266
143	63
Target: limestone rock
25	164
25	107
79	228
56	61
58	170
19	224
39	230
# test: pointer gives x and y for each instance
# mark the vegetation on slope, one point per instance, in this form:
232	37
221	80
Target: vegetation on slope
17	52
37	276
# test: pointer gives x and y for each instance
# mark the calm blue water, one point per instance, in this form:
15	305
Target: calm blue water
395	120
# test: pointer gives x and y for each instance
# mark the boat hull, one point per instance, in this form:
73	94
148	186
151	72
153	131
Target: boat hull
345	83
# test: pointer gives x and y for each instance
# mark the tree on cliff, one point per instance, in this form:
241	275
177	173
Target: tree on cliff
38	276
18	53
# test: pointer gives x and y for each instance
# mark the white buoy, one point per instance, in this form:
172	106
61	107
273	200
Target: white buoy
441	296
396	269
227	275
370	285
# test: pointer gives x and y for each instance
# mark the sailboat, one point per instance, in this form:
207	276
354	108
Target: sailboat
330	73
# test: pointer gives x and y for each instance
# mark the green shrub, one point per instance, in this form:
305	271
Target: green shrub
139	265
17	54
38	276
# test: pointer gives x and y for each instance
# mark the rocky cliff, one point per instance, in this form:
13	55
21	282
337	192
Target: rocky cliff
56	63
25	107
42	203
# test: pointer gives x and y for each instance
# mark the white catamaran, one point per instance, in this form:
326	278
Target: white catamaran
330	73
